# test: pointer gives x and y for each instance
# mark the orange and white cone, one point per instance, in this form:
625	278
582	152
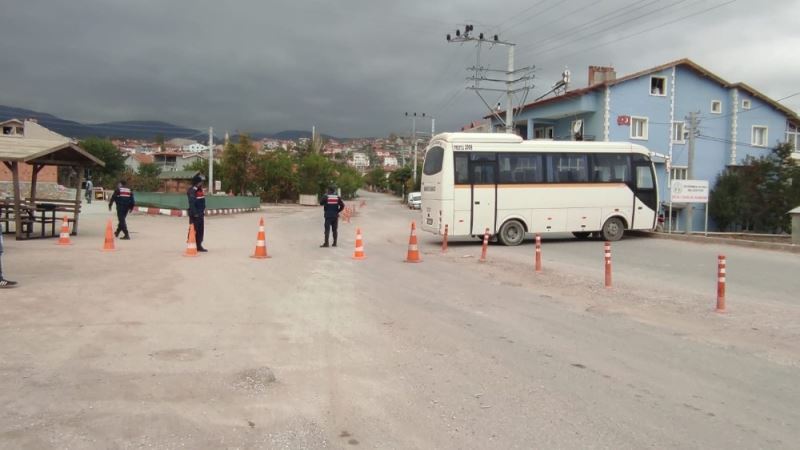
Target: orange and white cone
108	244
413	248
63	236
261	243
191	244
358	253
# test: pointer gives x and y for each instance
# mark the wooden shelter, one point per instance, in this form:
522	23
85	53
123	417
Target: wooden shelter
39	153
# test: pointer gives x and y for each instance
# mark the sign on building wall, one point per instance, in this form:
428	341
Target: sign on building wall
623	120
689	191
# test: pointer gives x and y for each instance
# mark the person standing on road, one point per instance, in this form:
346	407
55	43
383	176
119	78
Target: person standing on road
197	209
4	284
89	187
332	205
123	197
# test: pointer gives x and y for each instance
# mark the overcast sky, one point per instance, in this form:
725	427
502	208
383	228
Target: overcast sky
353	67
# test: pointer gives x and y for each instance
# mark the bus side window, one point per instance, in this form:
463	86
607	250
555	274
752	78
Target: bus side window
462	168
611	168
644	177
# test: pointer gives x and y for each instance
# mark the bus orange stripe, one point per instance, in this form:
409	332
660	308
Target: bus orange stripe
543	185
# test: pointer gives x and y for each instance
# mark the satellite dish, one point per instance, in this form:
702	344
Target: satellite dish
565	76
577	125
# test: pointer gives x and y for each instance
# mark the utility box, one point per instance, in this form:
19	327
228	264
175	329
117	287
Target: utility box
795	215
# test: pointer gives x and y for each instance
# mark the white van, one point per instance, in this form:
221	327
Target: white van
414	200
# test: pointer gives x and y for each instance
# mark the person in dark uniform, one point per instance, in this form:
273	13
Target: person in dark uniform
197	209
332	205
123	197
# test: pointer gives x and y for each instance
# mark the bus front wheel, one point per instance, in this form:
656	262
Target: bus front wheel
512	233
612	229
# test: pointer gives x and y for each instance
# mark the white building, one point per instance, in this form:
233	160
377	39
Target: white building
360	160
389	161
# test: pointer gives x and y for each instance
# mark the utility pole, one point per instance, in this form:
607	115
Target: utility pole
211	160
413	117
524	74
690	167
509	94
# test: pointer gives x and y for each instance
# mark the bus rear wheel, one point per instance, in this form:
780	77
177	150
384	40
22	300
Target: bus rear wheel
612	229
512	233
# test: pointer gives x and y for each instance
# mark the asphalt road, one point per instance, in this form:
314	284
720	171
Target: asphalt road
146	348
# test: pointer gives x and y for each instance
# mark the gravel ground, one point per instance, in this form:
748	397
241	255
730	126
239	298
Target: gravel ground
143	348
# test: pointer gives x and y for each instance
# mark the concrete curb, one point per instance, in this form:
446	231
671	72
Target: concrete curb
183	213
791	248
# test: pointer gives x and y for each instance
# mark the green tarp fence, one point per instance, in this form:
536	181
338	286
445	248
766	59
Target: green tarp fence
179	201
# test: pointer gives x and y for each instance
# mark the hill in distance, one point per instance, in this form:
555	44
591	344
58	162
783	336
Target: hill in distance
133	129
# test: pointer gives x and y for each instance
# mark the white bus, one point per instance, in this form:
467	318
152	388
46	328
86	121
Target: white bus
477	181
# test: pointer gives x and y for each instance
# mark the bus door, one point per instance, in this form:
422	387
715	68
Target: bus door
645	203
483	184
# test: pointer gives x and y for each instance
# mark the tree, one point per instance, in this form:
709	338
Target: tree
757	195
240	166
201	165
398	180
349	180
145	179
376	178
104	150
315	174
159	139
277	177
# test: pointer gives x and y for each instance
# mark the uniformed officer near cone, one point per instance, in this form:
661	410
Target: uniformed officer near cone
123	197
333	205
197	209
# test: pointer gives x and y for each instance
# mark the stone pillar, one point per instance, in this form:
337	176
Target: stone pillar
530	128
795	215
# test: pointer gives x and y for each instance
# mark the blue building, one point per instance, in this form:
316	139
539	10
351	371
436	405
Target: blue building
652	108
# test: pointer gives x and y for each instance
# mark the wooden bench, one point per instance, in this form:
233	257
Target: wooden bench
60	208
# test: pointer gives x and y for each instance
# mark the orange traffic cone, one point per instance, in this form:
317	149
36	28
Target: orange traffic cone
191	244
359	251
63	237
108	245
413	249
261	243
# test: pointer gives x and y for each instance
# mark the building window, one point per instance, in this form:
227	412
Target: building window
543	133
745	104
678	132
716	107
793	136
638	127
759	138
658	86
679	173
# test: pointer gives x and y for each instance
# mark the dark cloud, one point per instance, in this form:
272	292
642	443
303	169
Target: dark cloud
354	67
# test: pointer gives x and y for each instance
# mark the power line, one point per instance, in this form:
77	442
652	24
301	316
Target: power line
569	14
523	19
597	21
617	25
510	19
679	19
